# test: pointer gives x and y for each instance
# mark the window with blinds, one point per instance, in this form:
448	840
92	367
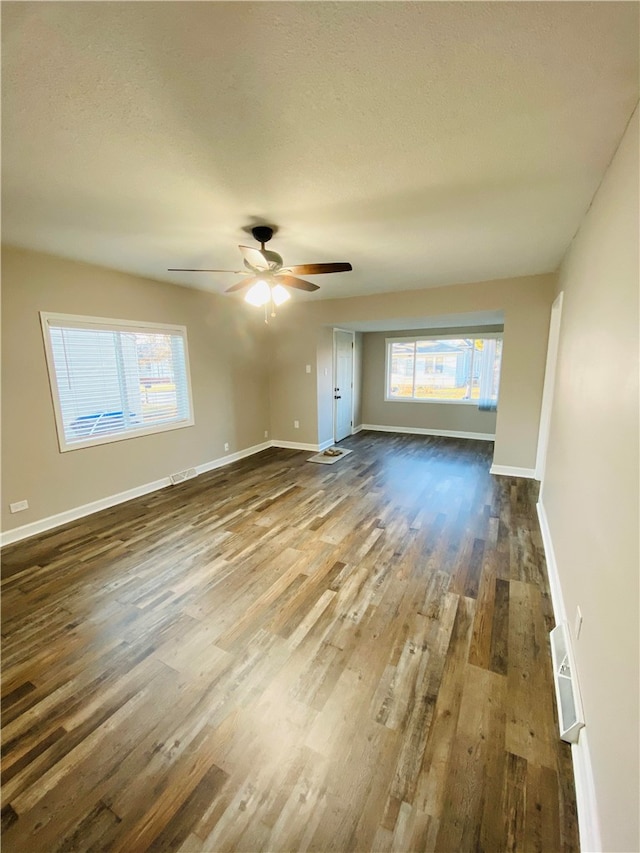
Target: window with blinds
115	379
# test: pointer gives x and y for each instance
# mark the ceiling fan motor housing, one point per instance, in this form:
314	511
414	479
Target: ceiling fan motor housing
262	233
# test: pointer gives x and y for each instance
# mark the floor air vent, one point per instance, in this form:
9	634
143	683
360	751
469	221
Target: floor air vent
570	715
181	476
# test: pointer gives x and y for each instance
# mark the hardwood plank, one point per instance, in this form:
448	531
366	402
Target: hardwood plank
280	656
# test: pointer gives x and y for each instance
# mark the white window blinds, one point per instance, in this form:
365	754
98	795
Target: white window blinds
114	379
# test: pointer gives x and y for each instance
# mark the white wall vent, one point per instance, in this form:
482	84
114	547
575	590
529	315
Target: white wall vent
181	476
570	714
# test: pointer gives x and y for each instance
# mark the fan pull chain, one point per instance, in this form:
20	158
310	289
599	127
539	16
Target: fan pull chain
268	313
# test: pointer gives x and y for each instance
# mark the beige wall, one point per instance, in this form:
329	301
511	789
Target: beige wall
247	378
293	391
228	372
437	416
590	487
525	303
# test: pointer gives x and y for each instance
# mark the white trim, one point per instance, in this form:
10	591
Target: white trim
415	339
433	400
446	433
44	524
357	429
26	531
549	385
17	534
81	321
78	321
233	457
510	471
557	599
586	803
299	445
474	332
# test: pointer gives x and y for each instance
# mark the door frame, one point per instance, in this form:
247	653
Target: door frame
335	377
546	407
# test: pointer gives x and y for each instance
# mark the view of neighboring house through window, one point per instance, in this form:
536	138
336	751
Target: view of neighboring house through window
452	370
115	379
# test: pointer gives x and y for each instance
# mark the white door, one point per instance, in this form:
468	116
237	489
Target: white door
342	383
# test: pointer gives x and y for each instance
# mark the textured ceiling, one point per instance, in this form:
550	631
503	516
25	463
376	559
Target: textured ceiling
427	143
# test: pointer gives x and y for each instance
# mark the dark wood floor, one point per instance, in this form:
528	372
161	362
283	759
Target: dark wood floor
284	656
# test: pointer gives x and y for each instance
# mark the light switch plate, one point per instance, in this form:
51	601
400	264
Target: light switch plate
578	623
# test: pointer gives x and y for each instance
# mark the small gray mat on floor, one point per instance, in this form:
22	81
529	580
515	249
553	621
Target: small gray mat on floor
329	460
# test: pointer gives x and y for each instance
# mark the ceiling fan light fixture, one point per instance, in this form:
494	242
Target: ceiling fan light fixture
259	294
279	294
266	276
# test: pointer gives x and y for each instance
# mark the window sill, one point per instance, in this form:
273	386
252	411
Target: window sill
65	447
427	400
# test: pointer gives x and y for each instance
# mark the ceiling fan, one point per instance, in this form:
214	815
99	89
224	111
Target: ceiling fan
266	276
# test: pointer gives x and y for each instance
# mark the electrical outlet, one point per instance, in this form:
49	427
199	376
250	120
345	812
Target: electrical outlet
266	433
308	368
577	626
18	506
296	424
226	445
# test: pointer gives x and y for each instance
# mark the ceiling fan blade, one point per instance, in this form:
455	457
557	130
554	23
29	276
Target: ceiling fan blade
298	283
254	258
318	269
180	269
246	282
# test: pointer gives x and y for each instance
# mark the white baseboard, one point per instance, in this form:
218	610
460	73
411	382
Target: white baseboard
233	457
299	445
446	433
586	803
357	429
510	471
557	599
26	531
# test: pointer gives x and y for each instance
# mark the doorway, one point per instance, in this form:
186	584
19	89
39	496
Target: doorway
343	343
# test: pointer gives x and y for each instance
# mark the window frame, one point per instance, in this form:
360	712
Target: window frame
80	321
475	335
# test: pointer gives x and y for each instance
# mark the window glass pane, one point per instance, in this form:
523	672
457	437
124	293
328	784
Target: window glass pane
465	370
158	356
401	371
443	369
